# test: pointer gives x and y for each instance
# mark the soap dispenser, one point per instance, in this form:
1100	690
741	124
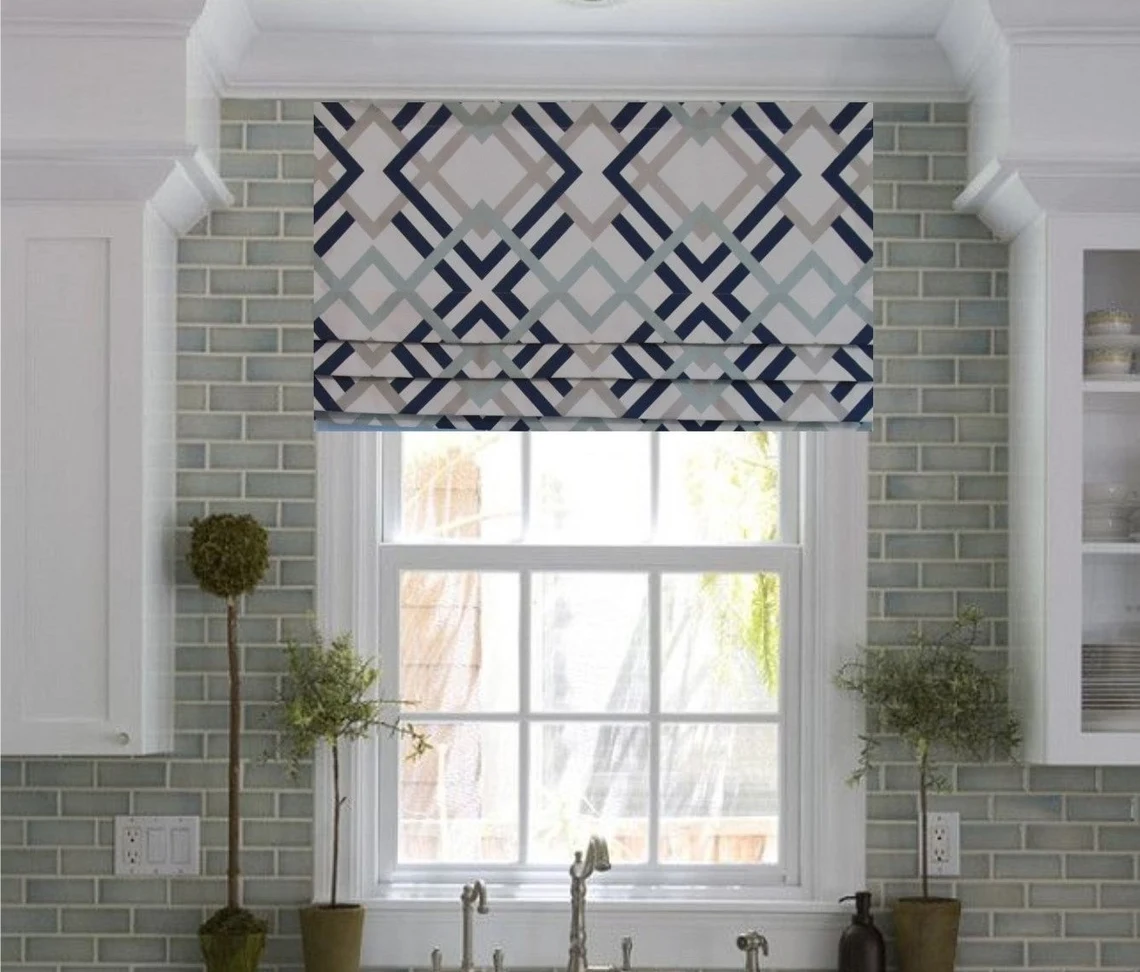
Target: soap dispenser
861	947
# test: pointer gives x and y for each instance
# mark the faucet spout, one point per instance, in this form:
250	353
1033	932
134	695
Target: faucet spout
596	858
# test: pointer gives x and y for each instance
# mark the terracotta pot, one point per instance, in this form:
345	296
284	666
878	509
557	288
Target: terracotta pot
331	937
926	932
230	951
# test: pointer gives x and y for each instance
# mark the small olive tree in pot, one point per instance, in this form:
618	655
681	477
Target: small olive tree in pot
939	700
330	696
228	556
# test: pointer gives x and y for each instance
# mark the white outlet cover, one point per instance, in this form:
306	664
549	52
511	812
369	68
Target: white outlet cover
943	845
156	845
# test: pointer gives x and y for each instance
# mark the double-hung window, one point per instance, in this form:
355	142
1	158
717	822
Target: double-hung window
627	634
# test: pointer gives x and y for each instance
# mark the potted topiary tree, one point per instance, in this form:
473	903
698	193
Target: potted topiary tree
228	556
330	697
937	698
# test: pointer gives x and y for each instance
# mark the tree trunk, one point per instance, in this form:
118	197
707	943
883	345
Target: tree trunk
233	869
336	818
923	769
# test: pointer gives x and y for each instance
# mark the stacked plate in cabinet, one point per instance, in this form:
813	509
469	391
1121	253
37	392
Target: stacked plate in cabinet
1111	512
1110	685
1112	346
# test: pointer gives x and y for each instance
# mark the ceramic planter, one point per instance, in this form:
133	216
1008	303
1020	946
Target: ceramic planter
926	931
331	937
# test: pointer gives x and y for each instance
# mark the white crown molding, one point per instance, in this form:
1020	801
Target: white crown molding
191	190
1012	194
1033	59
100	18
438	65
972	40
1050	20
224	32
178	179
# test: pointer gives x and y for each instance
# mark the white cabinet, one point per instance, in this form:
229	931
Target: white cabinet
1074	598
87	479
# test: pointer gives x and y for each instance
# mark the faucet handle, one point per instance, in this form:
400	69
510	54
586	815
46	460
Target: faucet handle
752	943
436	960
627	954
497	960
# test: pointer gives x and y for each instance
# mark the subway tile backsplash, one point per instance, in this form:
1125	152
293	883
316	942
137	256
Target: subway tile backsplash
1050	854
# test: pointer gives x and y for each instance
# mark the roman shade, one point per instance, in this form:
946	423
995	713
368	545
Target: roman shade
581	265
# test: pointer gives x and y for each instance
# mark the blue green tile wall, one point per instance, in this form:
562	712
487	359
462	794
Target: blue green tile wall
1050	855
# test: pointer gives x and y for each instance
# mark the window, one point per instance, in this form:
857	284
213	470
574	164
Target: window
592	627
614	633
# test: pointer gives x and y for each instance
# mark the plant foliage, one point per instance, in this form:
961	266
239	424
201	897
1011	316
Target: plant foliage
939	700
233	921
330	697
229	553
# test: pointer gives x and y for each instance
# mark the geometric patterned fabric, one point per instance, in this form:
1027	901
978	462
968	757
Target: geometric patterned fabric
582	265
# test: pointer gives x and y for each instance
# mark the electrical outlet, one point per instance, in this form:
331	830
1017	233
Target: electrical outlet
156	845
942	847
132	845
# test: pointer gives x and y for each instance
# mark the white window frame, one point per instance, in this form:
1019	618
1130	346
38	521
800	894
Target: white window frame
800	917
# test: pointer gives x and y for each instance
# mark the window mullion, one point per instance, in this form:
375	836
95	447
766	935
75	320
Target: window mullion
791	462
525	629
388	751
391	492
525	459
654	482
654	803
625	718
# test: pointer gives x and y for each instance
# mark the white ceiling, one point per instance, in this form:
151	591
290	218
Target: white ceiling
674	18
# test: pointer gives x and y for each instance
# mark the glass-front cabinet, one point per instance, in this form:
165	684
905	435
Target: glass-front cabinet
1075	488
1110	493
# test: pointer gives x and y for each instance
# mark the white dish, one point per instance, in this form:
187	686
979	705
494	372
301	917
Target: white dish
1092	536
1109	493
1105	513
1112	342
1106	526
1111	321
1115	363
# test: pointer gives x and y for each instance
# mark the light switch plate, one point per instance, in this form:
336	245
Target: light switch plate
156	845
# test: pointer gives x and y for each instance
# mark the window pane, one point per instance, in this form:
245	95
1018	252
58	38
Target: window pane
459	802
719	487
459	641
720	794
590	487
589	642
589	778
720	642
461	486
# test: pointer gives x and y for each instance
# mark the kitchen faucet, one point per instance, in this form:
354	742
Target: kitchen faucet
597	858
474	895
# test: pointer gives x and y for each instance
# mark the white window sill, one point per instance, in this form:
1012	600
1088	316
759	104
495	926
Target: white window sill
674	934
